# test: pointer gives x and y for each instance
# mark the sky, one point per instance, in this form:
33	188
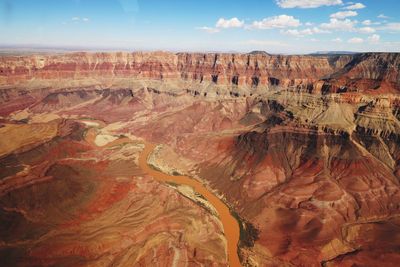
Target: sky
275	26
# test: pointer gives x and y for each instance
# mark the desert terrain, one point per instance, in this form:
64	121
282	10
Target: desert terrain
199	159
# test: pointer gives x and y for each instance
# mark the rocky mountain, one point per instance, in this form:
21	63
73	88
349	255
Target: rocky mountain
304	150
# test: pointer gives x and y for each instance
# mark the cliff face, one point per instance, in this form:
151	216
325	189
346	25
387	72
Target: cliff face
371	72
251	70
87	65
255	70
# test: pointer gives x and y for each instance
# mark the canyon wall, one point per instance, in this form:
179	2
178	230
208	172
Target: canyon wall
370	72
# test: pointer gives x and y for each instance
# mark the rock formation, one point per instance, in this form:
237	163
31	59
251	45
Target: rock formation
361	72
305	150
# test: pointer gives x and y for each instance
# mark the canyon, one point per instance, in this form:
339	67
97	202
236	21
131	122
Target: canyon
258	159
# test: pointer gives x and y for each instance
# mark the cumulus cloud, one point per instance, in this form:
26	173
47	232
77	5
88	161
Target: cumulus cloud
355	40
336	24
208	29
276	22
366	30
374	38
307	3
85	19
393	26
318	30
223	23
343	14
368	22
75	18
355	6
229	23
382	16
337	40
297	33
305	32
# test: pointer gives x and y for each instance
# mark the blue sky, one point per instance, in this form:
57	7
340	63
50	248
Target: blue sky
276	26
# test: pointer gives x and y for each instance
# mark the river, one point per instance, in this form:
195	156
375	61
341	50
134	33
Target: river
230	224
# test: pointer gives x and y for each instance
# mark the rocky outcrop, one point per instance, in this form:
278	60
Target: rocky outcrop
369	72
250	70
375	73
255	70
70	202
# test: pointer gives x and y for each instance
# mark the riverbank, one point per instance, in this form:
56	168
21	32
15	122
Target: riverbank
229	222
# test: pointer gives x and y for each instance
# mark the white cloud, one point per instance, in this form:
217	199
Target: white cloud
307	3
366	30
280	22
305	32
337	40
336	24
367	22
309	24
208	29
229	23
393	26
223	24
343	14
355	6
318	30
297	33
374	38
382	16
76	19
355	40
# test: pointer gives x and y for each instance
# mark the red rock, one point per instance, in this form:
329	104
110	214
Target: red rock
311	169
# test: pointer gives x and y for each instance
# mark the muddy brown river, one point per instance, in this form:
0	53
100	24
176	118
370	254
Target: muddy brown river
230	224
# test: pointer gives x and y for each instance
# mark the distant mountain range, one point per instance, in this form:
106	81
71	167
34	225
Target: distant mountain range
318	53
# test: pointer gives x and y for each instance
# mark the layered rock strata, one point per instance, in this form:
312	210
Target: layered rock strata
371	72
305	150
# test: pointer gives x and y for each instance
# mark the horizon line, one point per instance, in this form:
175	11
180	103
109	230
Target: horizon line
4	48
